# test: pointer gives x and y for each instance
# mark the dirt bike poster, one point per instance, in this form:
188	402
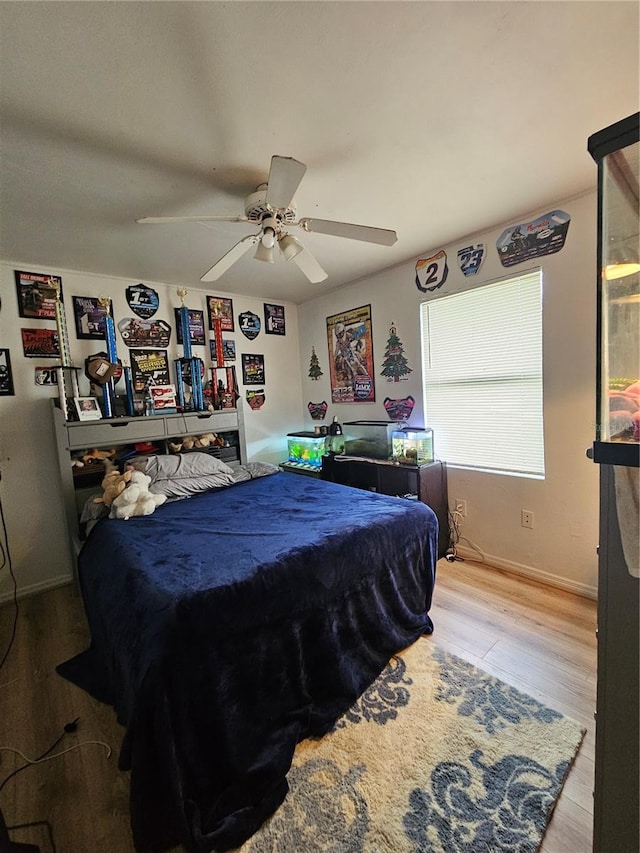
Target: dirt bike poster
350	342
542	236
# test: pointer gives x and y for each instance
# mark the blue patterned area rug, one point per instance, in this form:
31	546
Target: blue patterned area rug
435	756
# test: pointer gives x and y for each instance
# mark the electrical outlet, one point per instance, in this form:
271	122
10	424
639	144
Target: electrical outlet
526	518
461	507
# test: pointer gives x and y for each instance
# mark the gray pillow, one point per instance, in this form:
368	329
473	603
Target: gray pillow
184	474
252	470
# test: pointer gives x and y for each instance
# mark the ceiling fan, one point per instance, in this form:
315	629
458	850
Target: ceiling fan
272	207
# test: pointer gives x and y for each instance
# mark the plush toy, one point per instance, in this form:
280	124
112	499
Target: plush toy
175	446
135	498
208	439
113	484
188	442
96	455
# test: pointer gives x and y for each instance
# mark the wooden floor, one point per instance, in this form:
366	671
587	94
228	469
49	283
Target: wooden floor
536	638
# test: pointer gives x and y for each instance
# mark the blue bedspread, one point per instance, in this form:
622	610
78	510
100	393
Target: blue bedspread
228	626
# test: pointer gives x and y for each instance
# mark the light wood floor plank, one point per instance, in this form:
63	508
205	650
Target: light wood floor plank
539	639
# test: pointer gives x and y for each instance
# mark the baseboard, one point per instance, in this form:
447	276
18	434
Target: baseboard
34	589
528	571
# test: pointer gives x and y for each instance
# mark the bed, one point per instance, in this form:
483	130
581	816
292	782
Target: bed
228	626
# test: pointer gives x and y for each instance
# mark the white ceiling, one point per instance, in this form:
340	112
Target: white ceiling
436	119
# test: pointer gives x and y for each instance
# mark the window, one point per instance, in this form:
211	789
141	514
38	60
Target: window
482	376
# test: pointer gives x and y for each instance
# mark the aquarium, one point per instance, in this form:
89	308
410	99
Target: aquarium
616	149
412	446
306	448
371	439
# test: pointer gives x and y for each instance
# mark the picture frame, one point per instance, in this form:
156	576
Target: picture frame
223	307
252	369
274	321
87	408
37	294
196	328
89	316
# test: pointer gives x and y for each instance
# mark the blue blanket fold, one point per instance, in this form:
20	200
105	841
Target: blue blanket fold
228	626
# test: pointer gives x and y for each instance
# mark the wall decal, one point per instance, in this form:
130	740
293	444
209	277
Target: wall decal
145	333
395	365
317	410
250	324
46	375
431	273
470	258
255	399
314	365
143	301
399	410
350	342
542	236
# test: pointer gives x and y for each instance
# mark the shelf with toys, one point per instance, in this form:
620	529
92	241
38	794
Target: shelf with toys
83	447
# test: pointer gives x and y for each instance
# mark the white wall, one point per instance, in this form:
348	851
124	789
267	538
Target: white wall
29	487
562	546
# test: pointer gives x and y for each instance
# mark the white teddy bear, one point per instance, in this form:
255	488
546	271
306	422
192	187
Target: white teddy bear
136	499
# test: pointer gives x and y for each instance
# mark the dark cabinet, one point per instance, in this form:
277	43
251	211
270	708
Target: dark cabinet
426	483
616	448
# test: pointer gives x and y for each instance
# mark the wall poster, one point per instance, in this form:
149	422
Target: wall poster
350	342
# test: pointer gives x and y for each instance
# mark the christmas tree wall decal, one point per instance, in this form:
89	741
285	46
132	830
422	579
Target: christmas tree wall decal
394	366
314	365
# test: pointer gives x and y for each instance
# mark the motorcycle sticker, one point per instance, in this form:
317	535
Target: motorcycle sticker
255	399
399	410
542	236
470	258
317	410
145	333
142	300
250	324
431	273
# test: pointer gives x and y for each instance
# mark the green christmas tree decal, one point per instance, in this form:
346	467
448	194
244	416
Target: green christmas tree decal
395	364
314	365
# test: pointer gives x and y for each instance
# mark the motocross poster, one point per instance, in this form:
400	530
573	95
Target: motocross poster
542	236
350	342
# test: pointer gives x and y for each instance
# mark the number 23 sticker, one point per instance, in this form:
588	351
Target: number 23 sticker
431	273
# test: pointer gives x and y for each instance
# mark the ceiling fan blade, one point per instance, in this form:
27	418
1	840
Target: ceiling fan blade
230	258
309	266
161	220
354	232
285	175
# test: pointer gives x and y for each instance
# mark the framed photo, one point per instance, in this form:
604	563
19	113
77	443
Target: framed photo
274	319
218	306
6	376
252	369
350	344
89	315
87	408
37	294
196	327
40	343
228	351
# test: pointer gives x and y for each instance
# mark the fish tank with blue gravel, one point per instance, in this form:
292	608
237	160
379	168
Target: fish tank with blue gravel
412	445
306	448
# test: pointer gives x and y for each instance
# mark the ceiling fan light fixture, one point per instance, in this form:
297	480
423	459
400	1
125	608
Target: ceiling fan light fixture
290	247
268	238
264	253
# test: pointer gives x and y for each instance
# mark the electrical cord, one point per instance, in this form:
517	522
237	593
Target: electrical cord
6	559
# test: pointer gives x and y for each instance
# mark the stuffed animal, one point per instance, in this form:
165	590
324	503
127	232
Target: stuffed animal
135	498
113	484
96	455
208	439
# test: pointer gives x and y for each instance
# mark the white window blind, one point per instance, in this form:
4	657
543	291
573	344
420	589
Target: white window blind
482	375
